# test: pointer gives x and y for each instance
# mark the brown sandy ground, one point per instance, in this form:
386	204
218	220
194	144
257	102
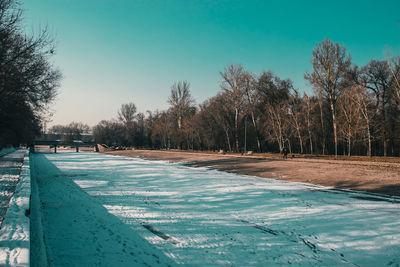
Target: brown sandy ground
375	175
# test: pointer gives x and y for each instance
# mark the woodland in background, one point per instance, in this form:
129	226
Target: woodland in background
353	111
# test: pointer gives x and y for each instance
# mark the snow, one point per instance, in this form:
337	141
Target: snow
6	151
95	206
15	232
76	229
10	168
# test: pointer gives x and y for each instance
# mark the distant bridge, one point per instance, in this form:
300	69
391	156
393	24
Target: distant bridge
56	143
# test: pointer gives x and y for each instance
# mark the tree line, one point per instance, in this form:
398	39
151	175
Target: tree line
353	111
28	79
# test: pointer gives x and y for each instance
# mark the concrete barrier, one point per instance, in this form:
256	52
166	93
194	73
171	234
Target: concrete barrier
15	229
38	249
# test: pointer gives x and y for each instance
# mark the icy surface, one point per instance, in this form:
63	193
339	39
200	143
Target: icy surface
199	216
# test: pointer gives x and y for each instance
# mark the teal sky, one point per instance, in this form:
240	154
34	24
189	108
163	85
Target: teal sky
115	52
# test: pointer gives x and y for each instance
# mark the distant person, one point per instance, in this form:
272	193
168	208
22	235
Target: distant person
285	152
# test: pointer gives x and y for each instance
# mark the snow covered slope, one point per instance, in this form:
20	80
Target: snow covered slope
204	217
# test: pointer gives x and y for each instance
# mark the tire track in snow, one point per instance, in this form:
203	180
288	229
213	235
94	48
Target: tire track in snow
313	247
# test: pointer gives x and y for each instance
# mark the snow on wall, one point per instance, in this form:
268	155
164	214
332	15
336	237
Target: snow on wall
14	233
38	248
6	151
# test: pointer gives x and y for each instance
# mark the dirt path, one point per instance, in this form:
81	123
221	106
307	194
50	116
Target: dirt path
375	177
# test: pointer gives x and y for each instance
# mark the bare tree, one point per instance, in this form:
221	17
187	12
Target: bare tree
309	107
362	99
110	133
126	113
330	65
222	107
296	114
70	132
127	116
394	66
376	76
234	83
348	116
274	94
161	130
180	100
321	119
252	104
276	120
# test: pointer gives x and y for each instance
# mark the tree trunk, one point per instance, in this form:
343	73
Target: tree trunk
227	139
384	141
309	135
179	122
323	127
281	141
349	144
369	153
256	130
365	113
277	132
334	126
300	139
384	126
309	126
236	130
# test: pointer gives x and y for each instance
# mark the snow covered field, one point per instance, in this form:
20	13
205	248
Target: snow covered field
168	213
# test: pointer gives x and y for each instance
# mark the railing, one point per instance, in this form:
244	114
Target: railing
55	144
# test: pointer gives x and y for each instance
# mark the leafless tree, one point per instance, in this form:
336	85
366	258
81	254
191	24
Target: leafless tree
321	119
362	99
296	115
110	133
71	131
309	106
234	84
252	104
330	65
126	113
222	107
127	116
274	94
276	121
376	76
394	67
161	130
180	100
348	117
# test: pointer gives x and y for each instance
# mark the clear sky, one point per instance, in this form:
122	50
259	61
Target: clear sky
120	51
